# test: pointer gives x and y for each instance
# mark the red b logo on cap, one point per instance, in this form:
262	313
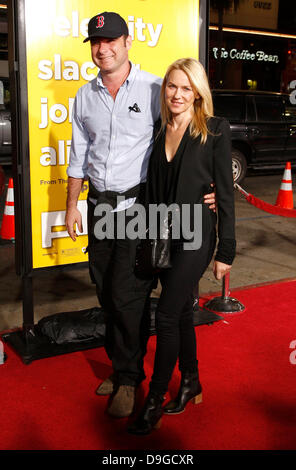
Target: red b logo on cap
100	21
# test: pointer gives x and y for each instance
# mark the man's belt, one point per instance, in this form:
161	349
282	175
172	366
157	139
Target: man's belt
110	197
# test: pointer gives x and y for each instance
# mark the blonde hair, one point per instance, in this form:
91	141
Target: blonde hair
203	106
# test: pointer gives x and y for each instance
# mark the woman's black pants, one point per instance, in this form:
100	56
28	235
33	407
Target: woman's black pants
174	316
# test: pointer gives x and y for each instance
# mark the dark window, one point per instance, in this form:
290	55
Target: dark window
269	109
230	107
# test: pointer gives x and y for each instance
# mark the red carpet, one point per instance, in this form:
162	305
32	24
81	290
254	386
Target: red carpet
248	382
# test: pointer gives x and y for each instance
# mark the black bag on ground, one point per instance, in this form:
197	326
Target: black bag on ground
72	327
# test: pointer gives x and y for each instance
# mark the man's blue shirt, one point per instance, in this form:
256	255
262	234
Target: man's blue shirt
112	143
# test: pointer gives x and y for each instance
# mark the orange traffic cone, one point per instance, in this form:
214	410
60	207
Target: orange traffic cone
285	195
7	228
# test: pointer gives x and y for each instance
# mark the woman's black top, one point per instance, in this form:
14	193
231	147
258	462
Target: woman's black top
169	171
188	176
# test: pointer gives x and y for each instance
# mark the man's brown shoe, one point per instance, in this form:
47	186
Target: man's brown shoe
123	402
107	387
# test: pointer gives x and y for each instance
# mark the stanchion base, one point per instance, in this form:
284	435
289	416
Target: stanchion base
224	305
204	317
40	347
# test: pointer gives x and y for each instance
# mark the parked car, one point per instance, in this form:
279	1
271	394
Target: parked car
263	128
5	123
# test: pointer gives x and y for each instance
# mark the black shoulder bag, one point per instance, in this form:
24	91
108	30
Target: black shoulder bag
155	254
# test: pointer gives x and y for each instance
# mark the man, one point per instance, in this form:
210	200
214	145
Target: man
113	123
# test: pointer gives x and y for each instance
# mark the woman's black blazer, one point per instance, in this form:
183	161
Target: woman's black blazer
201	165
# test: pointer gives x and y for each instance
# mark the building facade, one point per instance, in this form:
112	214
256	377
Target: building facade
255	47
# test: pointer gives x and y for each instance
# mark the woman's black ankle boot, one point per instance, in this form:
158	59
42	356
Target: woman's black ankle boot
190	389
150	416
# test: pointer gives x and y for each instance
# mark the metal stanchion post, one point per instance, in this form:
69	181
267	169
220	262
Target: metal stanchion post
225	303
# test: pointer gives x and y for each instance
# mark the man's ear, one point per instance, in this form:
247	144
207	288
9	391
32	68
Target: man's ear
128	42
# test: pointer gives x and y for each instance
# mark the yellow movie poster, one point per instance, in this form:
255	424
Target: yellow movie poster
58	63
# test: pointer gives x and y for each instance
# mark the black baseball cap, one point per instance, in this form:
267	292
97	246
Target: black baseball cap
106	25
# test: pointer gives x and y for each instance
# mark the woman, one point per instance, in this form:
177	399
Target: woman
192	149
